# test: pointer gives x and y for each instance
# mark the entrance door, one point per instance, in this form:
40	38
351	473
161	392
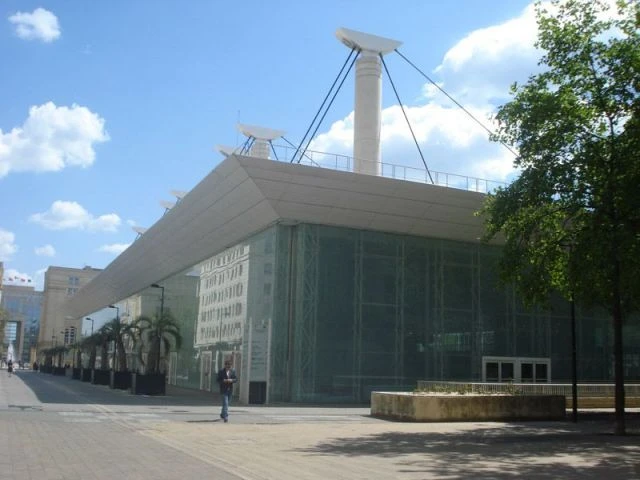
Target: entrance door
205	371
516	369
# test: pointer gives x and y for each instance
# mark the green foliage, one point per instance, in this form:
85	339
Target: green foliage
571	221
118	331
468	388
102	339
460	389
156	335
90	344
4	316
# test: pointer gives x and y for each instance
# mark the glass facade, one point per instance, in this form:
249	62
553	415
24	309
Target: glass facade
313	313
23	305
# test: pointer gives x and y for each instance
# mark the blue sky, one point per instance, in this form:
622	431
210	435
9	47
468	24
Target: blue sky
107	106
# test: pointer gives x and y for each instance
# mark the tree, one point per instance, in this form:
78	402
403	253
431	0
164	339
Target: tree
157	334
102	338
118	331
76	348
4	316
90	344
571	221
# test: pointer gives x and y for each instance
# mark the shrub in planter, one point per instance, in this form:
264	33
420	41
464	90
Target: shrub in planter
157	334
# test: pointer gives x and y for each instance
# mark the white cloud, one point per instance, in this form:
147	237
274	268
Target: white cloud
14	277
64	215
115	248
7	244
40	24
51	139
45	251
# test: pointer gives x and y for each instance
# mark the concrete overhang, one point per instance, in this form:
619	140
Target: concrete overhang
244	195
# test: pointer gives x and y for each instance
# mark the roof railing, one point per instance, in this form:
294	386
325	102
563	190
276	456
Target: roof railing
344	163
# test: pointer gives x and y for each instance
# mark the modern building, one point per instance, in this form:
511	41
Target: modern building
328	280
23	306
60	284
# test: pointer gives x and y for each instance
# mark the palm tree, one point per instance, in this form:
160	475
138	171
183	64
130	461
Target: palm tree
48	357
157	333
103	337
118	331
59	350
77	354
4	316
91	344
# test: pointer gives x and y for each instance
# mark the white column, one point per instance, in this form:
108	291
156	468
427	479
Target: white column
367	115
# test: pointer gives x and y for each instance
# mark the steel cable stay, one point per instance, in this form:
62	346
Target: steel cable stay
246	146
275	154
453	100
384	64
324	102
329	105
304	154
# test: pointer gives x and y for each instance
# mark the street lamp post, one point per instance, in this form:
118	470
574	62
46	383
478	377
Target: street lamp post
115	344
64	344
155	285
91	320
54	341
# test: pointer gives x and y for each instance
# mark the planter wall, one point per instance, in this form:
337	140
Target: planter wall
441	408
76	373
59	371
100	377
148	384
120	380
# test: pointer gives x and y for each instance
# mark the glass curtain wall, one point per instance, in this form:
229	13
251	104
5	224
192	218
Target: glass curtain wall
359	310
314	313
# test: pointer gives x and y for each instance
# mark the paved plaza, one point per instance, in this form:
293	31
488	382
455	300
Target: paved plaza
54	428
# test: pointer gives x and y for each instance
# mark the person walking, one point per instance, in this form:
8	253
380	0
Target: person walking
10	366
226	378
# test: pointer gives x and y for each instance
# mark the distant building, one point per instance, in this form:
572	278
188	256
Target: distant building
60	284
23	306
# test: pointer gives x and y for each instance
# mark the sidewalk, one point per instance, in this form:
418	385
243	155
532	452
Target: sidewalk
299	443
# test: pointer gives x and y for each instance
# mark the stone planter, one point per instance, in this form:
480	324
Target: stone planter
76	372
416	407
85	374
120	380
60	371
148	384
100	377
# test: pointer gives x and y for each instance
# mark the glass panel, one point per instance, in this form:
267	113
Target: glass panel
541	373
526	372
506	372
492	372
